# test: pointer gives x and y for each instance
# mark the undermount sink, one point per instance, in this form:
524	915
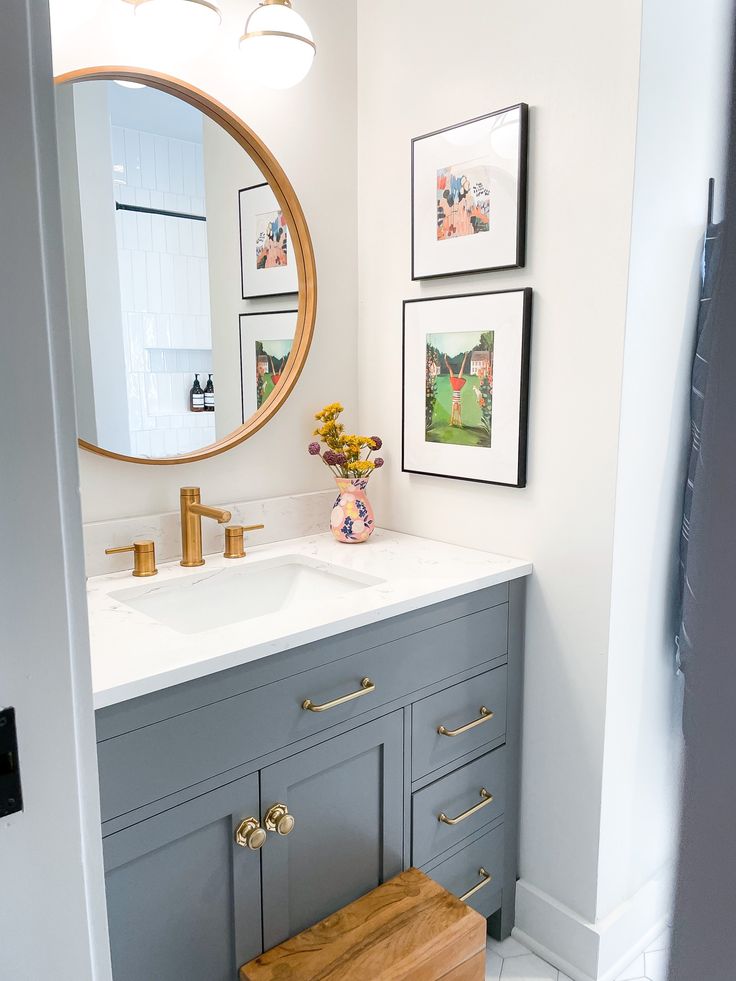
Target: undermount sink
219	597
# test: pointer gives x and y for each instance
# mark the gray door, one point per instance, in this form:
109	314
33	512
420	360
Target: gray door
346	799
184	901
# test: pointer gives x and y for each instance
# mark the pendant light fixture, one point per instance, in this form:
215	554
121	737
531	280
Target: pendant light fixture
277	45
177	21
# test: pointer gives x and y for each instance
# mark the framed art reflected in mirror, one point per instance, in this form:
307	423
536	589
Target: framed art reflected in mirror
266	265
266	341
151	171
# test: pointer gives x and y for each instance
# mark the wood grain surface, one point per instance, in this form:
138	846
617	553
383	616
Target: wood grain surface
407	928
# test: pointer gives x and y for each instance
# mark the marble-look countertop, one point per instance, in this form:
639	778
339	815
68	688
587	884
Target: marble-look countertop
133	654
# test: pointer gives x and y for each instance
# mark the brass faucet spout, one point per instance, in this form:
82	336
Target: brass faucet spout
218	514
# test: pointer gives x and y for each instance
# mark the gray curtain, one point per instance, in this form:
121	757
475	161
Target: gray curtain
704	937
698	390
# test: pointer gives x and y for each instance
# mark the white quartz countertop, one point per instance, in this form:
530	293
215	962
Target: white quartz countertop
133	654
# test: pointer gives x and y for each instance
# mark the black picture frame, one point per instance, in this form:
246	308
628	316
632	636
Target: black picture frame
253	296
525	366
522	194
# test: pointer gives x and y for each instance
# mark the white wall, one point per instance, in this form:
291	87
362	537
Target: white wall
94	165
577	67
613	320
680	144
312	130
76	280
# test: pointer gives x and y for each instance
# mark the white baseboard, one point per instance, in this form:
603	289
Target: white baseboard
589	951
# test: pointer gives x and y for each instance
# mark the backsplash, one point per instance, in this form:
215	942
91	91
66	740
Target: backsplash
283	517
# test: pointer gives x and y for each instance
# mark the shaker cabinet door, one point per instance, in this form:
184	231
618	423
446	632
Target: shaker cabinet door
183	899
345	796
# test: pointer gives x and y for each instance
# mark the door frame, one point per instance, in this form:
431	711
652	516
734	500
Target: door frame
54	916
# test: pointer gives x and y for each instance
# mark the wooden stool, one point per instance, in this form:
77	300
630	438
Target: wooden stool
408	928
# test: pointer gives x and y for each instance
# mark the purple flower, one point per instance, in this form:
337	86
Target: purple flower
378	442
340	459
330	457
379	462
314	449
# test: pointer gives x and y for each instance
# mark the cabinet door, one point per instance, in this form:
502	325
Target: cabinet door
183	899
346	799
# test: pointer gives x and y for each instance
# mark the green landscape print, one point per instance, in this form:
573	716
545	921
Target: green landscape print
271	358
459	388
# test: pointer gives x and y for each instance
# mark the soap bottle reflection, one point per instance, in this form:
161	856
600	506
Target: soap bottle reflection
196	396
209	395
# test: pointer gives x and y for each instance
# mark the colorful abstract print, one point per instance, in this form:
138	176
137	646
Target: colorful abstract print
463	201
272	241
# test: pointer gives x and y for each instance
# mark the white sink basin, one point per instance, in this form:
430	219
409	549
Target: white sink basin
206	600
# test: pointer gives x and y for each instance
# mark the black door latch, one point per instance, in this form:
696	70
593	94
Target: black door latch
11	798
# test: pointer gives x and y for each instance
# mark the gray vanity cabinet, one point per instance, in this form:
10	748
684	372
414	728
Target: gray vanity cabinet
347	800
183	902
390	745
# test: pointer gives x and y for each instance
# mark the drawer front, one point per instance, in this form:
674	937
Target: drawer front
477	708
468	868
470	798
149	763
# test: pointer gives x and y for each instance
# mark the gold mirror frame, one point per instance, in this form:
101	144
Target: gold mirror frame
300	237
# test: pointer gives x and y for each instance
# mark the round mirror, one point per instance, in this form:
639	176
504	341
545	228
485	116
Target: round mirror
190	273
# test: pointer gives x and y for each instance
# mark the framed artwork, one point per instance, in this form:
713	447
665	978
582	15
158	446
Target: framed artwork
466	386
265	345
469	195
267	266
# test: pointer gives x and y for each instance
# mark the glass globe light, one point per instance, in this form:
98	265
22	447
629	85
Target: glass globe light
278	46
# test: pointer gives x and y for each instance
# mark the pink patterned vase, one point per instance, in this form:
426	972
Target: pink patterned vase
352	519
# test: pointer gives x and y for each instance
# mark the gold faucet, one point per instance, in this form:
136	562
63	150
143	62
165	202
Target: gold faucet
192	512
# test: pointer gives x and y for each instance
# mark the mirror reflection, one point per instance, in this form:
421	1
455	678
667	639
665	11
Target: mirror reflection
181	277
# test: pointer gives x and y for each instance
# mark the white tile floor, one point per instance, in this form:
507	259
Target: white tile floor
511	961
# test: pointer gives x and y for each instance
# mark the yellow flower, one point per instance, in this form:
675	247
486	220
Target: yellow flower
361	467
330	412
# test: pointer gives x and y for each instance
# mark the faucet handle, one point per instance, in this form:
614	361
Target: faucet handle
235	540
144	557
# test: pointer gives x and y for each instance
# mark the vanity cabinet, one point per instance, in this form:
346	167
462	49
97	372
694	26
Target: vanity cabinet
418	767
347	799
182	902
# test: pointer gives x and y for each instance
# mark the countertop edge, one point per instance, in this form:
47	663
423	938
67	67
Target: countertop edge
181	674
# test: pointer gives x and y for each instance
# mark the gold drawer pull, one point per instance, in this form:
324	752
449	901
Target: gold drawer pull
487	799
485	879
366	687
485	716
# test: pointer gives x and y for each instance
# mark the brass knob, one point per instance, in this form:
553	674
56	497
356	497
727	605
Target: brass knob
144	557
279	820
234	545
250	834
235	540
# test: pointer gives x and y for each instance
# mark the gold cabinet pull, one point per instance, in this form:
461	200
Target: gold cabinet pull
485	880
250	834
485	716
279	820
366	687
487	799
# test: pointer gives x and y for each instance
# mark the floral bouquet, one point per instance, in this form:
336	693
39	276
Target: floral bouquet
349	458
